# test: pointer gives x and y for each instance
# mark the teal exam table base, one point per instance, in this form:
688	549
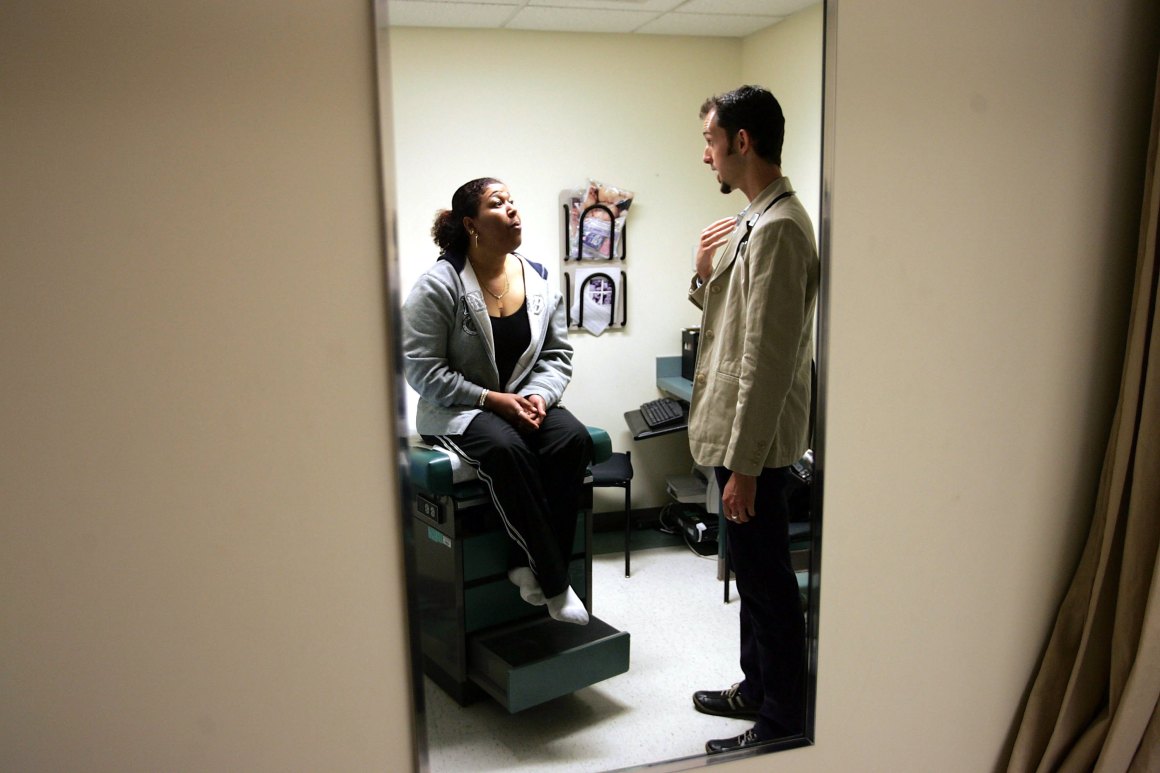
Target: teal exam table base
477	635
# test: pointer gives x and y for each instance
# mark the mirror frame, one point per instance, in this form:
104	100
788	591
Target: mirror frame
393	312
825	217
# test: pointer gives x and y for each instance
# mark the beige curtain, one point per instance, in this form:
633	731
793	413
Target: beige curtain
1093	704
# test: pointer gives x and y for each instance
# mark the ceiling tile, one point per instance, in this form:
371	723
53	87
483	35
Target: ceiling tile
747	7
709	25
617	5
576	20
724	18
437	13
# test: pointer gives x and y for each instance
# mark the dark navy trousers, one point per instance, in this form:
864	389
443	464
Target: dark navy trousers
773	639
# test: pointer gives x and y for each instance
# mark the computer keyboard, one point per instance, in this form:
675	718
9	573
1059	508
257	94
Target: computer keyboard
662	412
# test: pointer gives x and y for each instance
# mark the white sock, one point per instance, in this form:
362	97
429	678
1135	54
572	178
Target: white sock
568	608
529	586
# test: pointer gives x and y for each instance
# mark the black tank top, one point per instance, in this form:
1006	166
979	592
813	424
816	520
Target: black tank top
512	336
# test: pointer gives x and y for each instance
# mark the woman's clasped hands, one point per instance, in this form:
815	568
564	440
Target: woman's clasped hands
524	413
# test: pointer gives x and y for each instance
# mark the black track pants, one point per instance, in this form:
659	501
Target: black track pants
535	481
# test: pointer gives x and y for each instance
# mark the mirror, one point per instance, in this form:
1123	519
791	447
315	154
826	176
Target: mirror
548	110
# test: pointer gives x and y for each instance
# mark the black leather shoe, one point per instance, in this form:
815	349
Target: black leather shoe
744	741
724	703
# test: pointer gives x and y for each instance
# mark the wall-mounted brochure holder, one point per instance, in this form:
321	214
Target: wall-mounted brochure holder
592	243
595	228
595	238
597	298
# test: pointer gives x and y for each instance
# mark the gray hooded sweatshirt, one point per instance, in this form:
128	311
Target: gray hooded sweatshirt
449	354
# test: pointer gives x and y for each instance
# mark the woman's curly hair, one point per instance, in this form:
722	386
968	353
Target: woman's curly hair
447	230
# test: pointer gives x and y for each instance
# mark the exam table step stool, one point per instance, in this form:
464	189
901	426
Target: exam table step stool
477	636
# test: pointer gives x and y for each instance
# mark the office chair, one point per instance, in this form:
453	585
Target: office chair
617	471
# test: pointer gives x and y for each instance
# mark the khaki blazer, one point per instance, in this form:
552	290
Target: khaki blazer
752	384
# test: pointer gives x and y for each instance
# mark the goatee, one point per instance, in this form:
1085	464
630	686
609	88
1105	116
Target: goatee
726	188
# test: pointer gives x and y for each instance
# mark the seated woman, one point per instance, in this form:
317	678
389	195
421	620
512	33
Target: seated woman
485	346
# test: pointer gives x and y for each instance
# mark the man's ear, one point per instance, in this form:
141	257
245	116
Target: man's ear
744	143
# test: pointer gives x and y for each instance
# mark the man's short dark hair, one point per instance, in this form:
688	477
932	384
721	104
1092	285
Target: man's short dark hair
755	110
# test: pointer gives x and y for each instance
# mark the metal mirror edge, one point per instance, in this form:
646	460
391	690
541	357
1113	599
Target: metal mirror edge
392	307
825	216
420	758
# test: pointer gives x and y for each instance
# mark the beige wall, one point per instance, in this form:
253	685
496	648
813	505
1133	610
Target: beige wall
198	548
198	537
988	165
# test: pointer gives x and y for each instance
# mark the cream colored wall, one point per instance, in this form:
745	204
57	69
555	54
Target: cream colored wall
544	112
199	552
199	547
988	165
787	59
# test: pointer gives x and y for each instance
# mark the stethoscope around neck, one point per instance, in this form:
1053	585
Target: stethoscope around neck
751	222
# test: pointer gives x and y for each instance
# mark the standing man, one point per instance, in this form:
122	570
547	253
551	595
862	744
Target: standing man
749	418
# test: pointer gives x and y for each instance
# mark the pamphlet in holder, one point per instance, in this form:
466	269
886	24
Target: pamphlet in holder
597	298
595	236
595	230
